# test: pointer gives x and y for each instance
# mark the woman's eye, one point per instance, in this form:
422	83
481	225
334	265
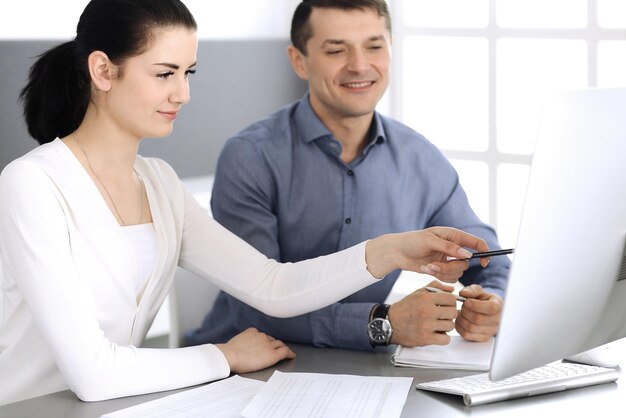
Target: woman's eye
165	75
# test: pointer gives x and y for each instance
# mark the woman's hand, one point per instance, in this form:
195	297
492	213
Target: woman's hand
252	350
424	251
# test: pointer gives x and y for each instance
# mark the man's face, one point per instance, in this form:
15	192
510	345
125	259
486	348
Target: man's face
347	62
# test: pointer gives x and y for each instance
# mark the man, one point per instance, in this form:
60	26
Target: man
328	172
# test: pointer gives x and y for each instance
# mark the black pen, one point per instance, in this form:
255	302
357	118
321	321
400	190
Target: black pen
484	254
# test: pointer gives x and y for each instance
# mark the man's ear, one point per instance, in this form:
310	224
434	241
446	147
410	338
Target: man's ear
101	70
297	59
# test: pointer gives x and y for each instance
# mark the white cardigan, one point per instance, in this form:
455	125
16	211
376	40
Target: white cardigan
71	319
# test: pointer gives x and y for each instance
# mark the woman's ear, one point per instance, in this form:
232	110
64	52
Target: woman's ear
297	60
101	70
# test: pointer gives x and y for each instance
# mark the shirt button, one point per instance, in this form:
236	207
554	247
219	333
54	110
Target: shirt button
350	173
348	221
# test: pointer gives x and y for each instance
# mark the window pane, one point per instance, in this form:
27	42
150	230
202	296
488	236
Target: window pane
474	178
527	70
512	184
259	19
612	13
612	64
541	13
40	19
446	13
446	88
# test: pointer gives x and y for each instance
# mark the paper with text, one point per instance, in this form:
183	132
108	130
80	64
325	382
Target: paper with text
223	399
460	354
329	395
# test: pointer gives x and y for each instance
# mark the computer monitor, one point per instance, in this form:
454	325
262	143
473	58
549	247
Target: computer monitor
567	286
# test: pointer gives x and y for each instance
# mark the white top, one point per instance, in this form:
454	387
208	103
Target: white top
143	244
71	317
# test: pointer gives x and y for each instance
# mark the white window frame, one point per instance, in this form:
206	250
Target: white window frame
492	156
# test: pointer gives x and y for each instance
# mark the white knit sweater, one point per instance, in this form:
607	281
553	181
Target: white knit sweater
71	317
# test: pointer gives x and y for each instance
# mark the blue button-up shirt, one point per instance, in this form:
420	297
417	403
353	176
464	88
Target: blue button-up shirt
280	185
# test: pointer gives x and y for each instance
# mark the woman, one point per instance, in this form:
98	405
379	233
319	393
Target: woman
91	233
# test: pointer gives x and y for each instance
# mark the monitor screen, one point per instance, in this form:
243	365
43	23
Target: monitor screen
567	286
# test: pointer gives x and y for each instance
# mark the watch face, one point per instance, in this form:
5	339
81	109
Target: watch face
379	330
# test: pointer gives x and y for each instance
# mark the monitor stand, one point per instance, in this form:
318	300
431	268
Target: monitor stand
602	356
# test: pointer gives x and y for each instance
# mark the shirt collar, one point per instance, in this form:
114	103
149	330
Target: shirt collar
312	128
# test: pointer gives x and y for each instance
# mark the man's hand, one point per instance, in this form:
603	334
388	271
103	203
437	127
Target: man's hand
479	318
423	318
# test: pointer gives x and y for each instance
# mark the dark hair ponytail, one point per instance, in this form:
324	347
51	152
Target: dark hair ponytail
58	91
57	94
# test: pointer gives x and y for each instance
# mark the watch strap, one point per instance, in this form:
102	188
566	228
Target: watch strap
380	311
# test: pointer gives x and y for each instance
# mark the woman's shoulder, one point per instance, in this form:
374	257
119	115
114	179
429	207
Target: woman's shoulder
158	172
45	158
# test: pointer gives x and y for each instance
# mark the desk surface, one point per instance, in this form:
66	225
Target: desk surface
605	400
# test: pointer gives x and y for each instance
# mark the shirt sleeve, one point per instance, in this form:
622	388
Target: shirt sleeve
243	202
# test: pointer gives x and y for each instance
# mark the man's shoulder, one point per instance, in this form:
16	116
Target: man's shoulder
403	135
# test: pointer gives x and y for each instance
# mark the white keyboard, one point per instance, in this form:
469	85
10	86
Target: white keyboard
553	377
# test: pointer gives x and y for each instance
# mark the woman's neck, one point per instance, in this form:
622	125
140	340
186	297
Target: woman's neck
110	151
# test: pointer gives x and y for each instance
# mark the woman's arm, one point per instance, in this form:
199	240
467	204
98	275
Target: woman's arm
290	289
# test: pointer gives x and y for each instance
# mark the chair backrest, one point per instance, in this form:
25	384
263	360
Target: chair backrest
1	295
191	297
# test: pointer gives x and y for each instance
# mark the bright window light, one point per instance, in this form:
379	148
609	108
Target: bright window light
526	71
446	90
612	64
541	13
512	184
474	178
446	13
612	13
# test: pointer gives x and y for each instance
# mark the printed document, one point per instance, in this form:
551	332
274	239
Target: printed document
224	399
329	395
460	354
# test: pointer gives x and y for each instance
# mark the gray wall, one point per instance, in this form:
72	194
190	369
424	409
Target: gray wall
237	82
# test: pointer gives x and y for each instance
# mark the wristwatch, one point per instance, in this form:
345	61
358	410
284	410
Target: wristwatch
379	328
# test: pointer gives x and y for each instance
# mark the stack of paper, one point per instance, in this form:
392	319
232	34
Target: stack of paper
223	399
284	395
329	395
459	354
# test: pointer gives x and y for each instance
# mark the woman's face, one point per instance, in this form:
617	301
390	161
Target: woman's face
152	87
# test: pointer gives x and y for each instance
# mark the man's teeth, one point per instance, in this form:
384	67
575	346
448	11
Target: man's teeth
358	85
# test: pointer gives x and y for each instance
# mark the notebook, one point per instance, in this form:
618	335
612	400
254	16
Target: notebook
460	354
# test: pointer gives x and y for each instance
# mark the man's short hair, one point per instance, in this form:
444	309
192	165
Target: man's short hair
301	30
